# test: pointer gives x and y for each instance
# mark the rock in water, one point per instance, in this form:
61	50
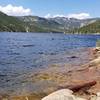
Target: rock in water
64	94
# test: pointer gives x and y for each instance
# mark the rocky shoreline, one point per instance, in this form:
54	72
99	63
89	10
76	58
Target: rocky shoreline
87	89
66	94
82	83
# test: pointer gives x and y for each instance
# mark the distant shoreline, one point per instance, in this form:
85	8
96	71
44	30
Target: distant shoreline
55	33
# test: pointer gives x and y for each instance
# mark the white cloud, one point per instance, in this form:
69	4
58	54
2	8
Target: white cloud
53	16
77	15
48	16
15	10
58	15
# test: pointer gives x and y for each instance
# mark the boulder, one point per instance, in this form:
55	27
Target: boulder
95	62
64	94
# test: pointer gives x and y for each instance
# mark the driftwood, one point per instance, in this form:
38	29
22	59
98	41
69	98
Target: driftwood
78	87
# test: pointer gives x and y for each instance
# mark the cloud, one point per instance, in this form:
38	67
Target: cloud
58	15
15	10
53	16
48	16
77	15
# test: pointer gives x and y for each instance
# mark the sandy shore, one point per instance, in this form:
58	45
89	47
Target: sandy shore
58	76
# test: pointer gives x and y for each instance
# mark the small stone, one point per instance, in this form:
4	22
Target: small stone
93	97
98	94
79	98
4	99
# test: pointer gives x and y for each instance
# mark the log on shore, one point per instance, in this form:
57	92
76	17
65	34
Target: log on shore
78	87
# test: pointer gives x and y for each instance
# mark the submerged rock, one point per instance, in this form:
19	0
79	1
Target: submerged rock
64	94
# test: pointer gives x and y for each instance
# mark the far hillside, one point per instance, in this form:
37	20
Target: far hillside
91	28
11	24
50	25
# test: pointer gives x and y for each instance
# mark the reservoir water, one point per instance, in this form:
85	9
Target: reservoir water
22	53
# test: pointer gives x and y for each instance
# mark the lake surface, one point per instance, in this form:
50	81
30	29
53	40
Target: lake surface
21	53
30	50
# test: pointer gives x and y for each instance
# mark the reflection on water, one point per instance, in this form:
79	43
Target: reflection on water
22	53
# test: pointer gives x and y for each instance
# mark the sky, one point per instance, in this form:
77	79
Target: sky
80	9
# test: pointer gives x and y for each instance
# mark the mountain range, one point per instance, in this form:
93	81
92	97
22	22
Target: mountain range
54	25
